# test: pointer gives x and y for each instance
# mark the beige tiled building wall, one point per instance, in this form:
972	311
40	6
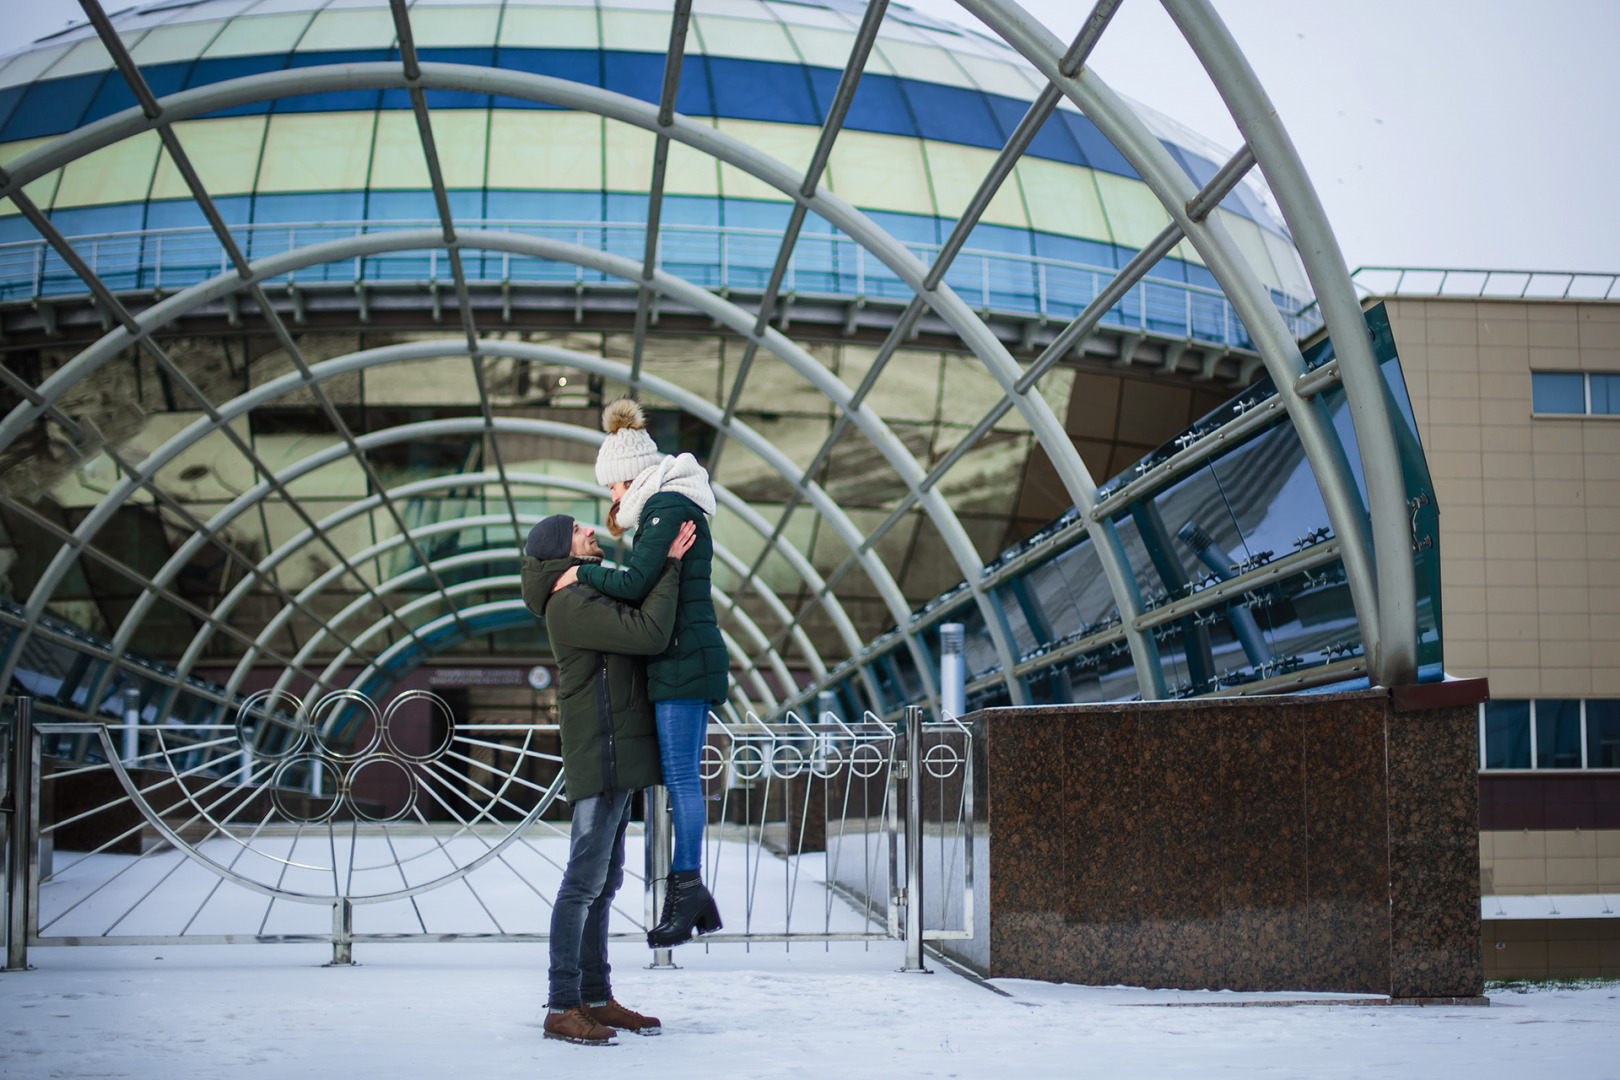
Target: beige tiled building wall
1526	862
1529	505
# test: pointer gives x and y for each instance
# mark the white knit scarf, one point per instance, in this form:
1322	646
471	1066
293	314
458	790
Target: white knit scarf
681	474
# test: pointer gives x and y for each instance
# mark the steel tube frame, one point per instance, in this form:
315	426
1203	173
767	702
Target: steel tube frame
421	487
1278	350
703	139
706	139
1392	654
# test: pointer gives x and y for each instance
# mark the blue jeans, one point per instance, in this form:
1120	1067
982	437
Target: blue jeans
579	961
683	724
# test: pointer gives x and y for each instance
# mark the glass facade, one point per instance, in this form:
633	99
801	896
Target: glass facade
1233	555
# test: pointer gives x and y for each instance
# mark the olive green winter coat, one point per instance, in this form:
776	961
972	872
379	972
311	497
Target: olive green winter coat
695	665
609	742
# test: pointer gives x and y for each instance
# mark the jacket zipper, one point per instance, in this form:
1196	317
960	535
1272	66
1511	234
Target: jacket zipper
604	719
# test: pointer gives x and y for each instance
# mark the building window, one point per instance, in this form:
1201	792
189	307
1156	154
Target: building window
1603	734
1550	733
1568	393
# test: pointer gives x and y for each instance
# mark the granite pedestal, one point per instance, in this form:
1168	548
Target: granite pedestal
1326	842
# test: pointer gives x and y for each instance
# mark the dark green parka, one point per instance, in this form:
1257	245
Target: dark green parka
695	665
609	742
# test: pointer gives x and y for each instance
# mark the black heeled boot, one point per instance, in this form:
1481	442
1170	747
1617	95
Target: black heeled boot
688	908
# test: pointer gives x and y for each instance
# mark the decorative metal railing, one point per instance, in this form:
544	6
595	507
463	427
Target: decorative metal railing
254	831
722	257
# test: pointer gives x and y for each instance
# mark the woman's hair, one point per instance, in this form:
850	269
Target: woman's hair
614	529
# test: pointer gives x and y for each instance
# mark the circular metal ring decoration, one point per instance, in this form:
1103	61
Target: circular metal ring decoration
866	761
448	798
748	761
941	761
711	762
784	767
826	761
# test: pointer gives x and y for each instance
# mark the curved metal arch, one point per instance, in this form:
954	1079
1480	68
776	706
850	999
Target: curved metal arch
791	354
1376	554
1392	655
420	350
723	495
958	315
363	506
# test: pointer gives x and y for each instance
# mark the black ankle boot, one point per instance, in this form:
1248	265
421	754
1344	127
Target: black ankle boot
688	907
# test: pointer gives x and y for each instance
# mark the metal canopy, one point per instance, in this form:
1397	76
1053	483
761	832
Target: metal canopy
1379	574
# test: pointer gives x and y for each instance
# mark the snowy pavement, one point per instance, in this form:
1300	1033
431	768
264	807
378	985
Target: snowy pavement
427	1010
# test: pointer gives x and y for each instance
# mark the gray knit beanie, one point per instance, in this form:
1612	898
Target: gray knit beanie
551	537
628	450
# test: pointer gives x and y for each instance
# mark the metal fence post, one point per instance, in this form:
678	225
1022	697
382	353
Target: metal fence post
658	839
342	933
20	852
914	884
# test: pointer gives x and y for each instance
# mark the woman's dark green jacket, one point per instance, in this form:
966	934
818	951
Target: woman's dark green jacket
695	664
609	742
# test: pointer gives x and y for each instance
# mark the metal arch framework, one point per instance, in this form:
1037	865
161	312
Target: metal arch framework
1375	564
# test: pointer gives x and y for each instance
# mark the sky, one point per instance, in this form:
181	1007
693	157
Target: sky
1450	133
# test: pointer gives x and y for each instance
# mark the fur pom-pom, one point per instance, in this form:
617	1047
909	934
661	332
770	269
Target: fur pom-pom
624	413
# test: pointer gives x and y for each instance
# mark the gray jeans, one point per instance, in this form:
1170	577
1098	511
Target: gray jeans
579	961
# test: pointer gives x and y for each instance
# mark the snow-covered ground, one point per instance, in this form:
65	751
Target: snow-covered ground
436	1010
473	1010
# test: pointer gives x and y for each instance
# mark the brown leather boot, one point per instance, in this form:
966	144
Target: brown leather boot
576	1026
615	1015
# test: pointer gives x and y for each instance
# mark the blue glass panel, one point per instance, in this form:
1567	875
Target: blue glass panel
756	90
333	100
1558	734
221	69
1075	249
1200	275
310	206
52	107
1095	148
1603	734
878	104
1557	392
952	114
759	214
88	220
638	75
444	99
184	213
9	97
1507	734
15	228
115	95
575	65
1605	394
1052	141
544	205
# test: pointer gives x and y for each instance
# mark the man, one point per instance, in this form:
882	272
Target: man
610	750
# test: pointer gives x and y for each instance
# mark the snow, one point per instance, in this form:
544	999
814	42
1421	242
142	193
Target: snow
729	1010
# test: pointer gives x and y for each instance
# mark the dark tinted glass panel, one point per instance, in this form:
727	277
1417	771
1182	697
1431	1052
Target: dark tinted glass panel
1557	392
1603	734
1507	734
1558	734
1605	394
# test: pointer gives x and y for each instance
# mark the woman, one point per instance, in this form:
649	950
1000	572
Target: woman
654	494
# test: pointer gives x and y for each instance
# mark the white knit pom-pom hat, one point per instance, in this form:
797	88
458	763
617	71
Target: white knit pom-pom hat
628	450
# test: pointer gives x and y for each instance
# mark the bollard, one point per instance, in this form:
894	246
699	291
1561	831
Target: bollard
952	670
22	827
132	731
342	934
914	884
658	841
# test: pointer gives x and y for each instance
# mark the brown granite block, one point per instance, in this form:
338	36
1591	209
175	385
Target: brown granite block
1347	868
1101	812
1026	813
1434	854
1262	816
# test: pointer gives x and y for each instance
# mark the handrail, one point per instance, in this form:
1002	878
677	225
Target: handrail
1491	282
823	265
